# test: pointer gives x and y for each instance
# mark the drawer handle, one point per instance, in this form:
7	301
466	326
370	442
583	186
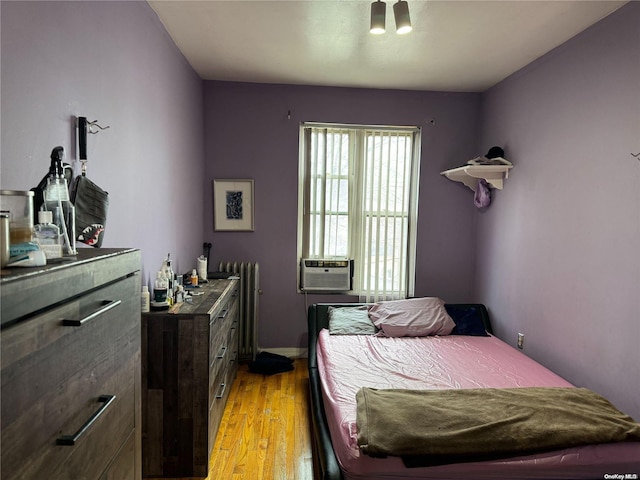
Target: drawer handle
222	351
223	387
106	306
223	313
106	400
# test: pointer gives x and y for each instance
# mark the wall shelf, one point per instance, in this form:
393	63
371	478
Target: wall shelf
470	175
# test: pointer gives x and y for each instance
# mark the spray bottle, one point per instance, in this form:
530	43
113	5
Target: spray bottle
171	277
56	200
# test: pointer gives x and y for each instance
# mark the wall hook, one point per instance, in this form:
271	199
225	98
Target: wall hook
91	125
83	127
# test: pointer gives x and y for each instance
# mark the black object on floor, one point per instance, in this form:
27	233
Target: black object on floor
270	363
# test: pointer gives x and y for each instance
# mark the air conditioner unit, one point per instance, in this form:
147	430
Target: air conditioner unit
318	275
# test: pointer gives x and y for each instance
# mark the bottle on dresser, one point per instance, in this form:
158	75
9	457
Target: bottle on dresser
171	288
160	287
48	235
145	299
56	201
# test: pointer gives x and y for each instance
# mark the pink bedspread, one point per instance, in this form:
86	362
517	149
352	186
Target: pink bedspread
348	362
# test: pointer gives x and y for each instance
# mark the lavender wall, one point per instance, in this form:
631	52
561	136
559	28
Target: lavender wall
248	135
111	61
558	254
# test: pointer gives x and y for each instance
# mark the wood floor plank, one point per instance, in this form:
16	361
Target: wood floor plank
265	433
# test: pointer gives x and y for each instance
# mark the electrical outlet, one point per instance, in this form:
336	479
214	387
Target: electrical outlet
520	340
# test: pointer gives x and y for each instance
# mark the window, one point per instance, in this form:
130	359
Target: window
358	199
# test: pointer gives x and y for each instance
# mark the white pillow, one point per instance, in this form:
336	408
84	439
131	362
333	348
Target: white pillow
350	321
414	317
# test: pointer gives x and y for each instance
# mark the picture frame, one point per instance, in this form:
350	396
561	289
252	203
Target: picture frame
233	205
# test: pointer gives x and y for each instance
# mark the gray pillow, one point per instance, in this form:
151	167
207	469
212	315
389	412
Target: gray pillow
350	321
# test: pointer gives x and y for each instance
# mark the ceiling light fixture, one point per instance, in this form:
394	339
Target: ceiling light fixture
378	13
401	14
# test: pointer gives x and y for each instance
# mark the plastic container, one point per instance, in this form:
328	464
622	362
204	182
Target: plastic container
48	235
19	204
171	283
194	278
145	299
56	200
201	263
180	294
160	289
36	258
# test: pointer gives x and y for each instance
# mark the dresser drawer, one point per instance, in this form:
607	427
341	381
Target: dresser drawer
220	347
217	342
221	380
233	306
72	373
219	394
233	347
123	466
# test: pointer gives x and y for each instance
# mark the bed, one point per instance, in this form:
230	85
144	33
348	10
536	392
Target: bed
343	367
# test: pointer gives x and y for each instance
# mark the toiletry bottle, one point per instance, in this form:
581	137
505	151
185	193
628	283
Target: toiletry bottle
180	294
56	200
171	289
165	275
145	300
160	290
194	278
48	235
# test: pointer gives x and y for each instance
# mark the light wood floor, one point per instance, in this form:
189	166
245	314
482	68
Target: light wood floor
265	432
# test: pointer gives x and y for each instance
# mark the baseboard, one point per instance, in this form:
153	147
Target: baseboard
292	352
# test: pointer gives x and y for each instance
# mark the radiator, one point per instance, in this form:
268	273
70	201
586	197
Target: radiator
248	306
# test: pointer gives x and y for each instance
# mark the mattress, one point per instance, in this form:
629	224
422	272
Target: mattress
349	362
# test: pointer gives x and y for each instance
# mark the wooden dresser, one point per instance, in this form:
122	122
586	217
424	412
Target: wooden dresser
189	361
71	368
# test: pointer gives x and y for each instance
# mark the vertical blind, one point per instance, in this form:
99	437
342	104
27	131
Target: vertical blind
360	201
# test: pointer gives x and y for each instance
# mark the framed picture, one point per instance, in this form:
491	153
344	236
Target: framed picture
233	205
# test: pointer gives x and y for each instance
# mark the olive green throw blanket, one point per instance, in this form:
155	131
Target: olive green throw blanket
479	424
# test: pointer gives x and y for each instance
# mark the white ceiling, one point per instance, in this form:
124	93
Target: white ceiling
455	45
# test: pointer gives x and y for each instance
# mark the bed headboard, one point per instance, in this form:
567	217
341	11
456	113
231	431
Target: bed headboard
318	318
